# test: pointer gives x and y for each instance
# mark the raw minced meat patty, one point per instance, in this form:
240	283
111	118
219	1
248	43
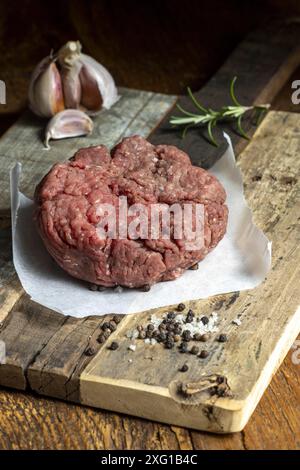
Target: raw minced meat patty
67	216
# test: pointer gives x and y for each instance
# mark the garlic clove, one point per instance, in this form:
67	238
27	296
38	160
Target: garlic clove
91	98
93	71
68	123
45	89
71	86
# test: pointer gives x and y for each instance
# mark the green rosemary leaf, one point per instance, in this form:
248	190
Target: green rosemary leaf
240	129
185	130
210	125
232	93
184	111
195	101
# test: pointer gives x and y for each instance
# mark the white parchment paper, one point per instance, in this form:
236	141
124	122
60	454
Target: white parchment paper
240	261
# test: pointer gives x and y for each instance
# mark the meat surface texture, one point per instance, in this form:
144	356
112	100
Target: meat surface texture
67	212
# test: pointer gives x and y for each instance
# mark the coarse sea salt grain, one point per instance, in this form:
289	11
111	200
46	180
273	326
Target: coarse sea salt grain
132	347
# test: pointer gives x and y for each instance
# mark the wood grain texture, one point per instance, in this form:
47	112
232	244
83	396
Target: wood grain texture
28	421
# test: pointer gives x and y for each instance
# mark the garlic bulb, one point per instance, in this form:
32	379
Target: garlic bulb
45	89
68	123
71	79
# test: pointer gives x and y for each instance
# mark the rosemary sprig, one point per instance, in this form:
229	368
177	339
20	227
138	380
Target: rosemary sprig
210	118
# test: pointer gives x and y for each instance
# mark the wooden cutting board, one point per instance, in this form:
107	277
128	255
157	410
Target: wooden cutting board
46	350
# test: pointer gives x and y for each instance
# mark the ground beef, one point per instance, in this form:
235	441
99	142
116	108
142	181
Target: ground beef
67	216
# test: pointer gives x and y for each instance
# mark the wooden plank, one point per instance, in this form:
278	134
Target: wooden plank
270	322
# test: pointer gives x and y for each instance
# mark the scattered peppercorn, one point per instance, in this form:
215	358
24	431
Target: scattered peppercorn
150	327
170	327
220	379
197	337
183	346
101	288
204	354
169	344
171	315
118	289
204	320
93	287
101	339
162	337
222	338
113	346
117	319
186	335
194	350
205	337
106	333
180	307
177	338
145	288
90	351
105	325
112	326
184	368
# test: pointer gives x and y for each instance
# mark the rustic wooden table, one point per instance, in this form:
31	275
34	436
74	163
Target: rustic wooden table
32	422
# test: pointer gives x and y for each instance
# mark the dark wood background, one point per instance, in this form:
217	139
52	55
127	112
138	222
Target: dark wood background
154	45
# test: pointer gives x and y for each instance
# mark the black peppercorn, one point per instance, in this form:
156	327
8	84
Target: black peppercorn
105	325
186	335
197	337
101	339
204	354
117	319
112	326
180	307
204	320
145	288
170	327
183	346
90	351
93	287
222	338
101	288
113	346
171	315
194	350
184	368
106	333
169	344
150	327
162	337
